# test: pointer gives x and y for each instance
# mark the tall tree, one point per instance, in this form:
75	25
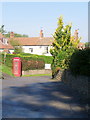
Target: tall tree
63	45
15	35
2	29
7	34
17	46
87	44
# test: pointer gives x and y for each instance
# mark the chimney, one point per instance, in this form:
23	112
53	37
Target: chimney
76	35
11	34
41	33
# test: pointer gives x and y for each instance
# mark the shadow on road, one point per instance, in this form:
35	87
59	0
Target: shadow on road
41	100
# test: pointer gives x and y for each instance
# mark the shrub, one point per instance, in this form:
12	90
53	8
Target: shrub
27	56
80	62
8	59
18	50
28	62
32	64
47	59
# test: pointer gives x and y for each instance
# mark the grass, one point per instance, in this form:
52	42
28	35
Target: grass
6	70
36	75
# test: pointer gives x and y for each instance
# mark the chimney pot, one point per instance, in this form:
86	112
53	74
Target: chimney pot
41	34
11	34
76	35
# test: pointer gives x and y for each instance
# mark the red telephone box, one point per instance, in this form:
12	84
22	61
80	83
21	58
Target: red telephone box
16	66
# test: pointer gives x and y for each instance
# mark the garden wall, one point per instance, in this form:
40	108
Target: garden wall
79	83
33	72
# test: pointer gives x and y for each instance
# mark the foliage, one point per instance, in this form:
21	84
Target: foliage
63	45
17	47
87	44
2	29
29	61
32	64
80	62
7	70
8	33
18	50
14	42
37	75
15	35
47	59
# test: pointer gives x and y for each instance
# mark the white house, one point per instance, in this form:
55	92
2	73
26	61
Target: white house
34	45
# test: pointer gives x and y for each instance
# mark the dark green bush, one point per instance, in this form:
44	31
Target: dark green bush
80	62
8	59
32	64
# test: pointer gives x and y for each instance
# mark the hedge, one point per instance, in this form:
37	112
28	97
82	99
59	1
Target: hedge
32	64
80	62
37	61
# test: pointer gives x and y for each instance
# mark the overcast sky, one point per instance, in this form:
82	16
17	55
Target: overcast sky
30	17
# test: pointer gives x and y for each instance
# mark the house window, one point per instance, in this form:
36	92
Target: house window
5	41
31	50
46	49
40	47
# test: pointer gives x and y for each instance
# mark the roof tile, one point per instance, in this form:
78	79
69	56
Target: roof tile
34	40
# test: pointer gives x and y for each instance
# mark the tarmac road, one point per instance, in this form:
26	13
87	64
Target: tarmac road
39	97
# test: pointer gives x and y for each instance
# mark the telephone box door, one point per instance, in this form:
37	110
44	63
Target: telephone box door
17	66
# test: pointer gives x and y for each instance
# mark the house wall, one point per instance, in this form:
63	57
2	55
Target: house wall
39	50
11	51
1	50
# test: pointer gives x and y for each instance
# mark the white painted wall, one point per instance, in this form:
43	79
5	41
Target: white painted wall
39	50
11	51
1	50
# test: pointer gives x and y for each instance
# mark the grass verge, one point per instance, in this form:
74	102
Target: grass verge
6	70
36	75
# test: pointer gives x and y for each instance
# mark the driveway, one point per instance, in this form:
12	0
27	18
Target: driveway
39	97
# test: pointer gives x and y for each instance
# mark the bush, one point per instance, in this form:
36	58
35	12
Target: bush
28	62
8	59
18	50
62	61
32	64
80	62
27	56
47	59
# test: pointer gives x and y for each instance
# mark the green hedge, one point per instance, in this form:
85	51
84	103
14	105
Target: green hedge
80	62
32	64
38	61
47	59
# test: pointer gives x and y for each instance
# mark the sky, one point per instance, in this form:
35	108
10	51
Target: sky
30	17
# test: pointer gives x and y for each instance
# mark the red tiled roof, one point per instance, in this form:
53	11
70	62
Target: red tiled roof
81	44
2	46
30	41
34	40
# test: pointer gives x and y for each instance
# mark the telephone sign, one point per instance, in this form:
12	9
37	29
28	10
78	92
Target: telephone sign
17	66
